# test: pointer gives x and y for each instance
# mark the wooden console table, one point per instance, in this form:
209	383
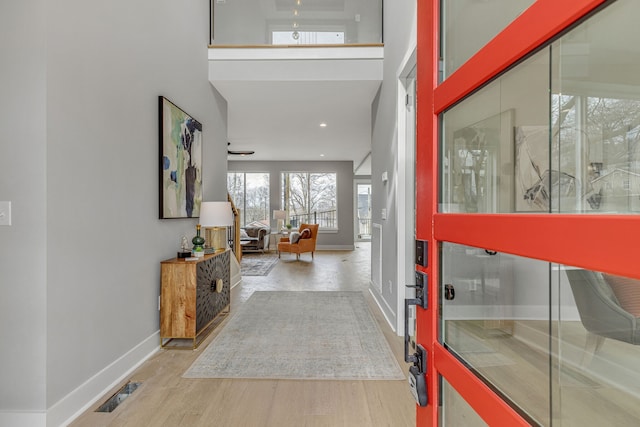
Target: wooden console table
194	296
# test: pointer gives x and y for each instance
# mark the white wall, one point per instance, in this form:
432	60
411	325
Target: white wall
23	182
79	269
399	16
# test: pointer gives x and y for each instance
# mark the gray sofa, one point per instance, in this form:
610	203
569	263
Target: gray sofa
255	238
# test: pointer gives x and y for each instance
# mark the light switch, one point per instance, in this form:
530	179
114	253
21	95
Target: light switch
5	213
383	213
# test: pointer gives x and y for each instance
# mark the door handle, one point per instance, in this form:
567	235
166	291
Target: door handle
417	378
420	300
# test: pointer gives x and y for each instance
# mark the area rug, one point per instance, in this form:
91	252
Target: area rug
257	264
300	335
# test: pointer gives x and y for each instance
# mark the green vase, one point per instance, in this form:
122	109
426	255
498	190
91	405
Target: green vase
198	241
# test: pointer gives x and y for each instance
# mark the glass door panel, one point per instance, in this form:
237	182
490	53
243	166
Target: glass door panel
469	24
596	114
495	318
596	376
495	143
456	411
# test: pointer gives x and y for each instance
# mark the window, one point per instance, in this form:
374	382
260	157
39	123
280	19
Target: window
310	198
307	37
250	194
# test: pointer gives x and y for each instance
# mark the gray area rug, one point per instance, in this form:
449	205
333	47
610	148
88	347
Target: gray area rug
300	335
257	264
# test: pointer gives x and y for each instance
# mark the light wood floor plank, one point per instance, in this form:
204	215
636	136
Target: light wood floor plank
167	399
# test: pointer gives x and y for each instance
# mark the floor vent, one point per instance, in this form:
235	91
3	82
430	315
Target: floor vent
112	403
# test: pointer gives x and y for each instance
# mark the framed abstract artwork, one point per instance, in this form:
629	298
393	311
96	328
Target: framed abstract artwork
478	159
180	162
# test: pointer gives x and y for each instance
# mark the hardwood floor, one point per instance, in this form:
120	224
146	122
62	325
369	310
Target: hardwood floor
166	399
602	393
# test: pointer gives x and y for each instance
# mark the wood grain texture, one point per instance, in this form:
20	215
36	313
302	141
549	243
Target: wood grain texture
188	301
167	399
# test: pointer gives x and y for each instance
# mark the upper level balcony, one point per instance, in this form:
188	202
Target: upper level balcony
296	22
287	66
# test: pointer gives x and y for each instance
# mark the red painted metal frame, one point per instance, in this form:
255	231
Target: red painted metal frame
426	189
492	409
569	239
595	242
541	22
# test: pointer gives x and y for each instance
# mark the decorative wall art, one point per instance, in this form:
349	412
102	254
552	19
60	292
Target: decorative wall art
587	174
532	176
180	162
541	187
478	163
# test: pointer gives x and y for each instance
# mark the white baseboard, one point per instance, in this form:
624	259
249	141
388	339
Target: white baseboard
236	280
384	313
236	271
23	419
335	247
82	398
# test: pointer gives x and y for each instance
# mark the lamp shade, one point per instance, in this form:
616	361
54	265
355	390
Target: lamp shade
215	214
279	214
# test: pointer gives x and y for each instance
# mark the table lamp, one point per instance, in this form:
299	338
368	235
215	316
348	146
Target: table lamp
215	217
280	216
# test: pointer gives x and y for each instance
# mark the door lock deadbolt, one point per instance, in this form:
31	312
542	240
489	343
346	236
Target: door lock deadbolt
449	292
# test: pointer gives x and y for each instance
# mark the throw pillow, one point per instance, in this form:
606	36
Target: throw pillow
627	291
243	234
305	234
294	236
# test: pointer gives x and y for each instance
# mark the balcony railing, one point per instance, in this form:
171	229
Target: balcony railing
295	22
326	219
364	228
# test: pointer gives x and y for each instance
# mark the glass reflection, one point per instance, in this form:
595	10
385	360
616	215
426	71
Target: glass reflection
456	411
512	147
495	144
596	113
468	25
495	317
560	342
596	377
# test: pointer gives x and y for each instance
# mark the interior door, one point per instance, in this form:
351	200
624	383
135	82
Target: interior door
363	212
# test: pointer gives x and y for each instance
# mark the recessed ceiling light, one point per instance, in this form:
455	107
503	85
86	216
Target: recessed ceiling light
321	155
323	125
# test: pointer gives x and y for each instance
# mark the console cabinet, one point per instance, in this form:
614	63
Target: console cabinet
193	295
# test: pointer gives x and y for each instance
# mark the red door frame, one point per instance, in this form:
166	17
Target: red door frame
558	238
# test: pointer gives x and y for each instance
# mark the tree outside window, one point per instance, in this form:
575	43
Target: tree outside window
310	198
250	193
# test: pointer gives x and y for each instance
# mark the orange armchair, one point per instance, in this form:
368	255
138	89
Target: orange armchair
303	244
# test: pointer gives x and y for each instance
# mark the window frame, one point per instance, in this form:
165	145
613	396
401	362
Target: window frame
283	201
242	208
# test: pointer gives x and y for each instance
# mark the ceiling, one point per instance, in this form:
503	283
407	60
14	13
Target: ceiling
276	109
